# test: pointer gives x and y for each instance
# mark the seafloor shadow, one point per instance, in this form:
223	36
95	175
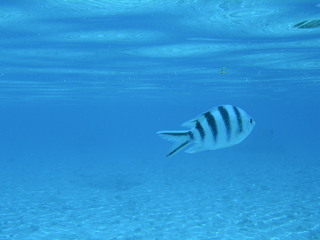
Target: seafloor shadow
112	182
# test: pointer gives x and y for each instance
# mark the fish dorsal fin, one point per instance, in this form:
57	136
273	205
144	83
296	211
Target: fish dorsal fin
190	124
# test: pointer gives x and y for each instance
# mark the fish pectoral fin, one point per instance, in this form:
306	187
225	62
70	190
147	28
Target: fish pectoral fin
196	148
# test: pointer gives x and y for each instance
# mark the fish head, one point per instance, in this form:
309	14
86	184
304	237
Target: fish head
249	124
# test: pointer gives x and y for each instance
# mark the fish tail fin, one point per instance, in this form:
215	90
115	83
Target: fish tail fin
180	138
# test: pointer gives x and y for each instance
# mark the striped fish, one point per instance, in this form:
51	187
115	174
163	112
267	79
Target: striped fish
221	127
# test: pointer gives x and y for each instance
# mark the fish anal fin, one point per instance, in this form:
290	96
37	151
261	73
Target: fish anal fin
196	148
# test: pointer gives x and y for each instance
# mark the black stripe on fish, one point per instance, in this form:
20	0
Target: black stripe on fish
177	134
191	135
200	129
239	119
213	125
226	119
177	149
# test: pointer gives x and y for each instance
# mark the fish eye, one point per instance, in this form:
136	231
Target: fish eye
251	120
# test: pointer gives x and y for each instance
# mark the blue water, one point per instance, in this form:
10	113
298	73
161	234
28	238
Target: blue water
86	84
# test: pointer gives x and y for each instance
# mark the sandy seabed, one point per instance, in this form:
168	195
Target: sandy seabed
207	201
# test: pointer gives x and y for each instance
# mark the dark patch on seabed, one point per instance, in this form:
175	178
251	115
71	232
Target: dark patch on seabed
113	182
308	24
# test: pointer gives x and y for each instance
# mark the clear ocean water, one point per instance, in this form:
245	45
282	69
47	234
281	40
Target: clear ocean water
86	84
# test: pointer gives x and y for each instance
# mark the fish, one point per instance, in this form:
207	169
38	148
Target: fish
221	127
